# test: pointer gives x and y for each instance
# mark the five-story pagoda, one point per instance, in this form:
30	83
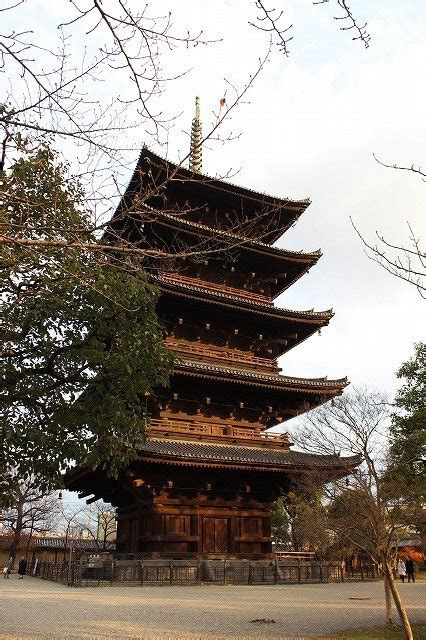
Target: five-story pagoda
207	476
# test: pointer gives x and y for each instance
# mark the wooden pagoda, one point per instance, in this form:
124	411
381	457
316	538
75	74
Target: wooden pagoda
207	476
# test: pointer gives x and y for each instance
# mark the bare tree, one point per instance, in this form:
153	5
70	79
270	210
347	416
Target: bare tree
95	521
406	260
349	22
29	511
55	91
269	20
379	508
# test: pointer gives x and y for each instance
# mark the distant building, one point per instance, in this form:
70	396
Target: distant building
51	549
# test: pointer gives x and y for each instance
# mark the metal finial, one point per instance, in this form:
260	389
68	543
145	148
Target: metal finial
196	153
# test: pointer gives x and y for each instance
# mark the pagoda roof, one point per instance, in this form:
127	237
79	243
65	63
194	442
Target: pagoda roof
228	455
174	173
217	183
240	241
270	381
232	300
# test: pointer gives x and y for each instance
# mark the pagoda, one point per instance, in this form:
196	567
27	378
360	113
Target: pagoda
206	478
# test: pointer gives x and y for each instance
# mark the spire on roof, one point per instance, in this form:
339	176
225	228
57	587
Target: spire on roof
196	153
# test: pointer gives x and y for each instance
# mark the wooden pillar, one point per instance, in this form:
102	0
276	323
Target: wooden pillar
233	523
200	533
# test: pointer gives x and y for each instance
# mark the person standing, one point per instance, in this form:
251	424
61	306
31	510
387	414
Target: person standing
401	570
22	568
409	567
8	568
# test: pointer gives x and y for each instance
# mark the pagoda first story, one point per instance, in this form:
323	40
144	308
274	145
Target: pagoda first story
206	478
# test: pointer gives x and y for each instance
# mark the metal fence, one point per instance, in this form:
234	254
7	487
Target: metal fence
184	572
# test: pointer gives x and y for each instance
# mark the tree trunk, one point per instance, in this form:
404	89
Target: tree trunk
388	599
30	537
17	532
398	602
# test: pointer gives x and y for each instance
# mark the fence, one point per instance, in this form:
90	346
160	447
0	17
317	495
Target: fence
184	572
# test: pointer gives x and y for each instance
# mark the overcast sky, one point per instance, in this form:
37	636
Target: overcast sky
311	128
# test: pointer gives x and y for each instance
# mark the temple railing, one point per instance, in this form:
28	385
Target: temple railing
161	427
210	285
139	572
205	352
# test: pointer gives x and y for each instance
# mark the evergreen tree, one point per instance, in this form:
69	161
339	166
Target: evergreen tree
408	429
82	346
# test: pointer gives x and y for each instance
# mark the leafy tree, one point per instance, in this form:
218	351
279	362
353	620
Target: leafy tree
82	345
299	518
408	429
280	523
308	518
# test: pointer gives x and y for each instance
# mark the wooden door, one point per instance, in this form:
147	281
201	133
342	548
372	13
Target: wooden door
215	535
221	535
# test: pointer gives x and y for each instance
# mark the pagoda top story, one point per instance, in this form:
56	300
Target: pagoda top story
163	182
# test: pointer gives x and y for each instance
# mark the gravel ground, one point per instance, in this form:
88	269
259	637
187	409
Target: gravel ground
33	608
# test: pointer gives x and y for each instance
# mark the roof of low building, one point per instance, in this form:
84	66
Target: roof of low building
66	543
58	542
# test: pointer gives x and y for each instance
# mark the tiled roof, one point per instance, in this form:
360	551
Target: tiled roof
47	542
302	316
304	384
229	454
64	543
299	256
216	183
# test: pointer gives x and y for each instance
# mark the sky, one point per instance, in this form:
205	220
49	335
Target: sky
310	129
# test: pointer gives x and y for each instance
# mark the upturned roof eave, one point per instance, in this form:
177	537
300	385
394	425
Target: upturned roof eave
278	382
321	318
191	452
244	242
233	189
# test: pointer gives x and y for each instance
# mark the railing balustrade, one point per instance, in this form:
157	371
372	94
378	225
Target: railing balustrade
185	572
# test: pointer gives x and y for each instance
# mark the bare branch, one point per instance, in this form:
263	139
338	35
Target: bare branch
268	22
351	23
413	168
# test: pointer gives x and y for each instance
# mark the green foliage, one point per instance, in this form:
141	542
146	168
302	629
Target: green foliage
408	429
354	516
82	346
280	523
308	519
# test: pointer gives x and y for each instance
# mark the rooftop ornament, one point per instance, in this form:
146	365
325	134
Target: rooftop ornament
196	152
